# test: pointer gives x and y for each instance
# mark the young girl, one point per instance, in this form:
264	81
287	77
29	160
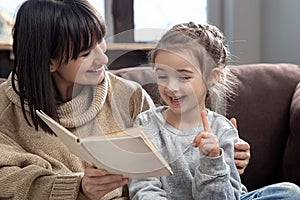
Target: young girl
198	142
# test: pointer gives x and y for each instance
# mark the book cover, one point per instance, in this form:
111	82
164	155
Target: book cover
128	152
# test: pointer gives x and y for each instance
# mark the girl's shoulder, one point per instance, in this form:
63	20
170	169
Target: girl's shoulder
154	114
219	121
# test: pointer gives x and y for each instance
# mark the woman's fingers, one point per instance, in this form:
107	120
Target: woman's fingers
241	155
97	182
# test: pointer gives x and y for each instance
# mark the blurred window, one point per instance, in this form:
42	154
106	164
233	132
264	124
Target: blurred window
152	18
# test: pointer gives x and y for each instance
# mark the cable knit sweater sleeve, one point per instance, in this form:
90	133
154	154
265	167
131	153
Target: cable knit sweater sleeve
19	169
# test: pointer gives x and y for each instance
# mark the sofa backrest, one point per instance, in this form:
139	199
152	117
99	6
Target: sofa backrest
145	77
262	108
2	80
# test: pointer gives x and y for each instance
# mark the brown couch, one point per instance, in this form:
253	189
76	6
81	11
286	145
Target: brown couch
268	112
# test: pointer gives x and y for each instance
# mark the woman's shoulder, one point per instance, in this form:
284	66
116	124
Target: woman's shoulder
124	88
117	81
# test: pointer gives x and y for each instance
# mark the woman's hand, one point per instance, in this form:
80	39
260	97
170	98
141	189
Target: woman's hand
241	155
207	143
97	182
241	152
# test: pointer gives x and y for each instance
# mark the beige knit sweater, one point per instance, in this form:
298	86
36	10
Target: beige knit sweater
36	165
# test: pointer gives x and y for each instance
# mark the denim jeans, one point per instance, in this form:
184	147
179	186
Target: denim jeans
277	191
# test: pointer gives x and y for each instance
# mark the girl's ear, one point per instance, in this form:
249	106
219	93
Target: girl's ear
214	76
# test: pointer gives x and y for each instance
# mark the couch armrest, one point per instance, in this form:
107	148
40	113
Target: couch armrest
291	163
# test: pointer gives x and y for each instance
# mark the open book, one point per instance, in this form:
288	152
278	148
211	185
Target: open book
128	152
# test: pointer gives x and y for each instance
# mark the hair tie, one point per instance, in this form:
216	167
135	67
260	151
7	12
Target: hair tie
192	25
198	32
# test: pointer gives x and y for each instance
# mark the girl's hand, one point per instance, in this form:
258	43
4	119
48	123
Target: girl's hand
96	183
207	143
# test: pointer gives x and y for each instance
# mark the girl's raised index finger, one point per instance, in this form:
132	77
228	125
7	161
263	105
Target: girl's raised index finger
205	123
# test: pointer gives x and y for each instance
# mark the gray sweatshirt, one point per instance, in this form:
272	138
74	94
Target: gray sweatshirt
195	176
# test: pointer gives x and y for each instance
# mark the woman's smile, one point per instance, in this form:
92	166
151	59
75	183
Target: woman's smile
97	70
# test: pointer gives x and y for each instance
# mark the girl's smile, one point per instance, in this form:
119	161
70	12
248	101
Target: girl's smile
176	100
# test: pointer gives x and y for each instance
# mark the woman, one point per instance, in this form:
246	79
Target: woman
59	68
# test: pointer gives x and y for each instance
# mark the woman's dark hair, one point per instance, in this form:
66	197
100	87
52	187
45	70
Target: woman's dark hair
45	30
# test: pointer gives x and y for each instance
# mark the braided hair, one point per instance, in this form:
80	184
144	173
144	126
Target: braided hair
206	43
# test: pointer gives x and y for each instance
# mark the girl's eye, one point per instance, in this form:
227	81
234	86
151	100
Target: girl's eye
184	78
162	77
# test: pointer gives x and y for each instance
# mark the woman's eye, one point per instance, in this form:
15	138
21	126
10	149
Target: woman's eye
85	54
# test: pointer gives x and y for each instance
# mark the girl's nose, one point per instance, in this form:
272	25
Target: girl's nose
172	84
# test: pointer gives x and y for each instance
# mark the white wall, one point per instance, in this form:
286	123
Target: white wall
259	30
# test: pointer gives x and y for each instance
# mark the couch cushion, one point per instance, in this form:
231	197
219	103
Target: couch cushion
292	162
262	109
2	80
145	77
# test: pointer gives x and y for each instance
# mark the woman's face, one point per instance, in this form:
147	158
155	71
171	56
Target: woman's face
87	69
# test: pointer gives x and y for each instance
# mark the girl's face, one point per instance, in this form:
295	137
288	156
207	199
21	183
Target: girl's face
87	69
180	83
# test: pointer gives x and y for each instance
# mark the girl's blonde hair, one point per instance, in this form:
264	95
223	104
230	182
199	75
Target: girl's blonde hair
206	44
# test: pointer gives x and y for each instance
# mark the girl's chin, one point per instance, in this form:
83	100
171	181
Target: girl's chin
175	109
